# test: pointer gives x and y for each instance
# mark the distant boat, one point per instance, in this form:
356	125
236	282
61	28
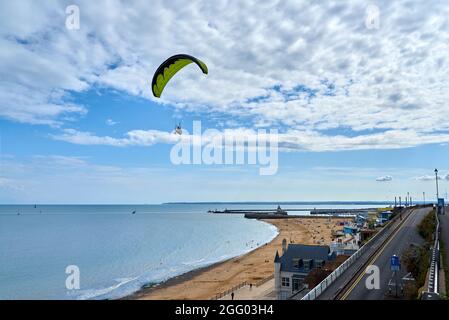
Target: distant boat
134	212
35	206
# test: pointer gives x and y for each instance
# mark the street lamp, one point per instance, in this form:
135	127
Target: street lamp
436	181
424	197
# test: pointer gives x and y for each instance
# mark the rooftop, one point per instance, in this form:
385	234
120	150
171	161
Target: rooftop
301	251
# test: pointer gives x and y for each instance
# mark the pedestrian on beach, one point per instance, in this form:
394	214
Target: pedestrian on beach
250	286
232	295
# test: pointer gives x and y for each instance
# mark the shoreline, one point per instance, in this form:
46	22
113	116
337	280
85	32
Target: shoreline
176	280
206	282
189	275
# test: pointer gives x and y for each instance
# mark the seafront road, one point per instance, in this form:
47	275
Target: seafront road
405	236
402	233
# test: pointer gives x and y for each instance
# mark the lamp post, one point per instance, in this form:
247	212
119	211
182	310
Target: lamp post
436	182
424	198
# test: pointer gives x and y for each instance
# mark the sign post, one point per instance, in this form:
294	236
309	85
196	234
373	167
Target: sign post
440	205
395	266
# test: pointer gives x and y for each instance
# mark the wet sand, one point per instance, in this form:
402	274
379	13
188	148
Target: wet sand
206	283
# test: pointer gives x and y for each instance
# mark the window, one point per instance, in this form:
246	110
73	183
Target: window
307	265
285	282
296	284
297	263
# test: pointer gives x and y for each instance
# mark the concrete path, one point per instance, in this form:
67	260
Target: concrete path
263	292
444	234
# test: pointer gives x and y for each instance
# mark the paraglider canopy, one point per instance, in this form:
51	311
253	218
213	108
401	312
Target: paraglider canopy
169	68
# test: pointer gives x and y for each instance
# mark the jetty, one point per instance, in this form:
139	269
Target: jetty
340	211
226	211
255	215
280	213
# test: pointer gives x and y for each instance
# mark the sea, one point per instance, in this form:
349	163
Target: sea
110	251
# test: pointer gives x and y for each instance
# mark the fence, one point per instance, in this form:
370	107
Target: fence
323	285
261	282
241	285
225	293
432	285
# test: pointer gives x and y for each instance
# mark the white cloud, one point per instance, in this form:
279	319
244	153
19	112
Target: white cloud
292	140
384	178
132	138
78	179
391	82
111	122
427	177
12	184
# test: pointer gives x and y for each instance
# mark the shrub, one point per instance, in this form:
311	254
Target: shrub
427	226
415	259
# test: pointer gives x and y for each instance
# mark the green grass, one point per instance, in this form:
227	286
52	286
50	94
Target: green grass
427	227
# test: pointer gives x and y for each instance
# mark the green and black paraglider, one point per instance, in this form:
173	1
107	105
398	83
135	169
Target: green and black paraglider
169	68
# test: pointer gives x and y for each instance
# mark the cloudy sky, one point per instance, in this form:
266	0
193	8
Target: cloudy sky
359	100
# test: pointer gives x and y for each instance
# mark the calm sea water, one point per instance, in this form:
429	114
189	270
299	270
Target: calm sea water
116	251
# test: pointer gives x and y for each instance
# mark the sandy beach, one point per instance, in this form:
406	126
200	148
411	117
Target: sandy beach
252	267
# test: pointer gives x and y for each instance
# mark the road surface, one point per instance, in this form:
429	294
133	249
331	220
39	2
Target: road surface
333	291
406	235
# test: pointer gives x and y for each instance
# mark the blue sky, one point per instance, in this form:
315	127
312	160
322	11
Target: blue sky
361	113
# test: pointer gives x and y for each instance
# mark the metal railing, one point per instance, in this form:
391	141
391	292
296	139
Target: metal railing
225	293
261	282
432	284
241	285
323	285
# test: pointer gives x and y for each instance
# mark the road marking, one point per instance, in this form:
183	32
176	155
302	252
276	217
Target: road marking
348	292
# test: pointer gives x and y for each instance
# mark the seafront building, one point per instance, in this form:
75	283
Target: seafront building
298	260
294	265
347	244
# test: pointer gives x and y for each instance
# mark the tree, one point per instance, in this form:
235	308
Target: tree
317	275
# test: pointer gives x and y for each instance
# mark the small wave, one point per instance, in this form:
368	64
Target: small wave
128	285
194	262
104	292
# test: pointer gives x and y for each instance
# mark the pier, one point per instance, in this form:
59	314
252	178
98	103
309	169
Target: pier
255	215
283	213
278	212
